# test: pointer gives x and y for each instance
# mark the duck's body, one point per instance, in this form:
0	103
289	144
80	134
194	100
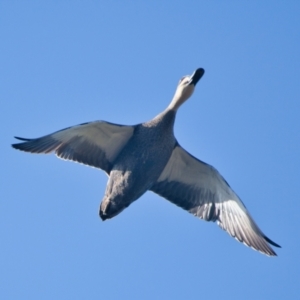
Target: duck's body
148	157
139	164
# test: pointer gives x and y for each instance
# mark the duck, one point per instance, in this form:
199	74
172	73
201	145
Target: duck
148	157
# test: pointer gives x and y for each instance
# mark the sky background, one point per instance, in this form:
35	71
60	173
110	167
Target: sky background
69	62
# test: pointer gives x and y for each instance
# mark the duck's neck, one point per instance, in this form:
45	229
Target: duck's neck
165	119
176	102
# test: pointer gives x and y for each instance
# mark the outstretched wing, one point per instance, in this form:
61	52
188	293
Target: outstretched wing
199	188
96	144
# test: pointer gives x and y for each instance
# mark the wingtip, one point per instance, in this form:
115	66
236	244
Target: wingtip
22	139
271	242
18	146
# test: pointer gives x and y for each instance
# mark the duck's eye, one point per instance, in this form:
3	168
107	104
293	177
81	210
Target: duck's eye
183	79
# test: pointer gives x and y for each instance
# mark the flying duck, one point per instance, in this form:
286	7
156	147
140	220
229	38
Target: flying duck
146	157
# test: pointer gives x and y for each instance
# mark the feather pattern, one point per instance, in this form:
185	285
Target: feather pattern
95	144
199	188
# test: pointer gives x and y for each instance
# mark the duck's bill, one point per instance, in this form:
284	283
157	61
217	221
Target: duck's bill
196	76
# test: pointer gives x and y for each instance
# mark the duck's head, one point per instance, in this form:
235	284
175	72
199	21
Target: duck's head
185	88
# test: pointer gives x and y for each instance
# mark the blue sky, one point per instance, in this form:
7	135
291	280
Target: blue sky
68	62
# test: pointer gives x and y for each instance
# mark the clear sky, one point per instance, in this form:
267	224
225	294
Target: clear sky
69	62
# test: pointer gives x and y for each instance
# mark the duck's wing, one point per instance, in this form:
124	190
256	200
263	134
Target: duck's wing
199	188
96	144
